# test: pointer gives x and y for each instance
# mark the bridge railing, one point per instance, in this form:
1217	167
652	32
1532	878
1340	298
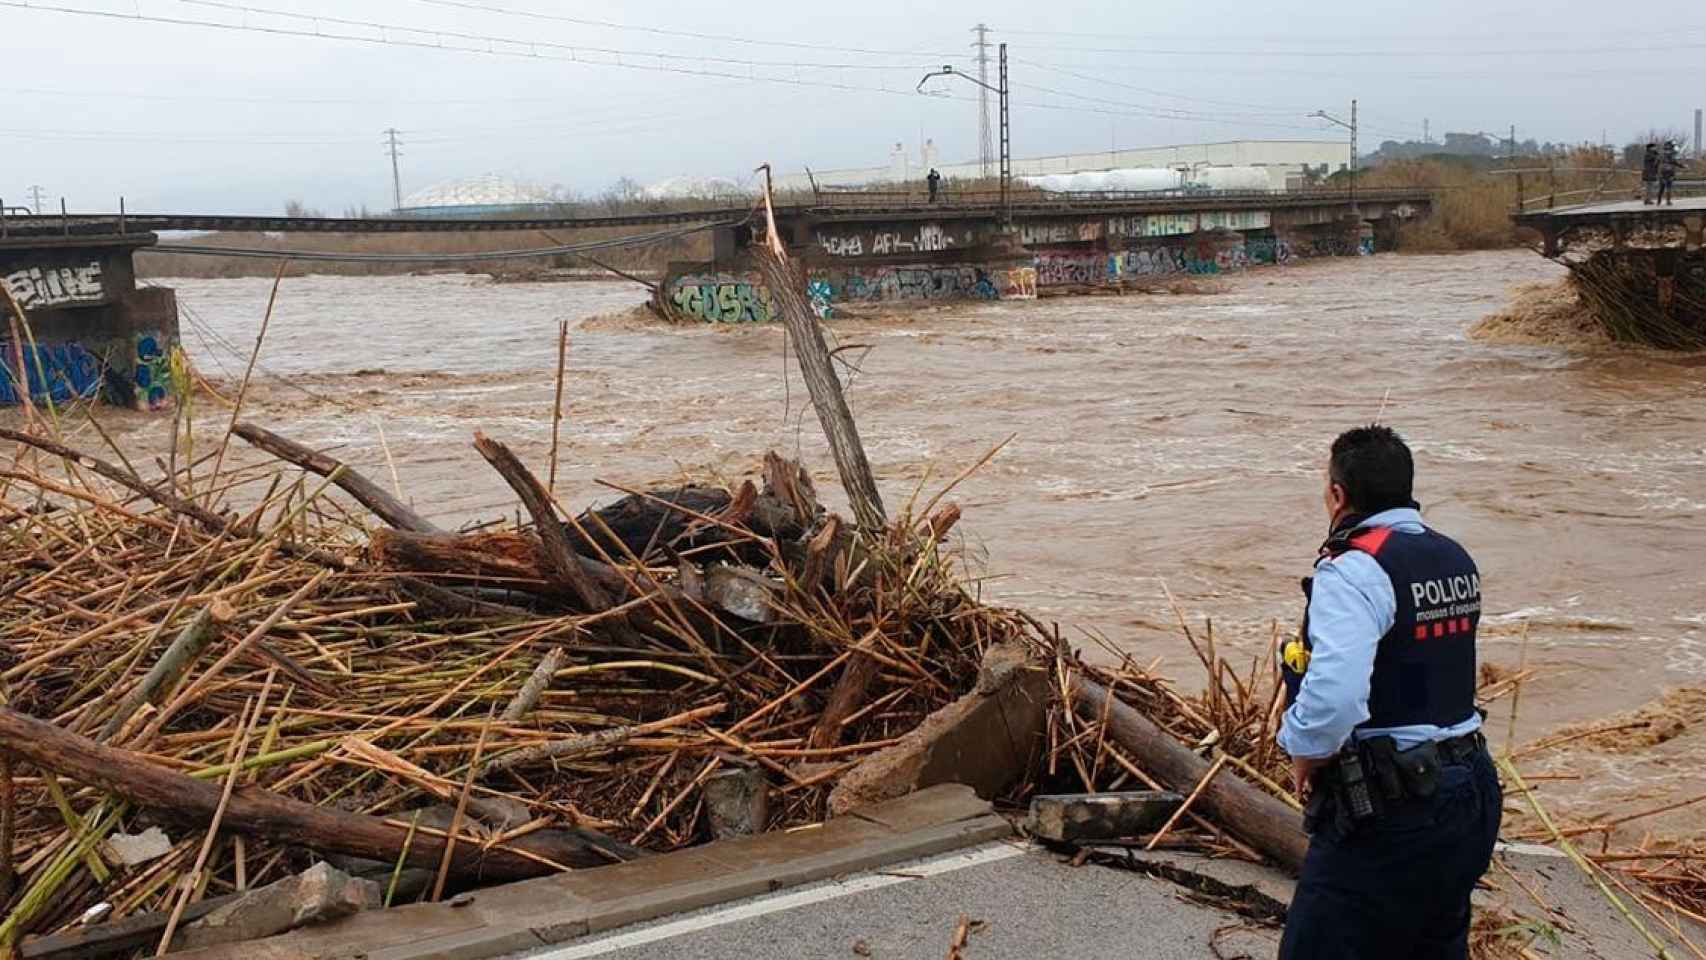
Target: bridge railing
851	200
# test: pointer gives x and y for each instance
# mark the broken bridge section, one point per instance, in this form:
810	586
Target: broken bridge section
86	330
1640	268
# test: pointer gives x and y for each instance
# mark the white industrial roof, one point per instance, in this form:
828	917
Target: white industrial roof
486	190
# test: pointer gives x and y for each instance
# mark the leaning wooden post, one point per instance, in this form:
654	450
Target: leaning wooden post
819	371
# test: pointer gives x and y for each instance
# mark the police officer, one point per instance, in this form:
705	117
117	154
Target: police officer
1402	801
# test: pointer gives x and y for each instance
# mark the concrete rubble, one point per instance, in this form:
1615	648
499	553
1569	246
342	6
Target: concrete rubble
317	895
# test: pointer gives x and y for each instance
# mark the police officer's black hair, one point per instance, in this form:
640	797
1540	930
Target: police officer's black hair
1374	466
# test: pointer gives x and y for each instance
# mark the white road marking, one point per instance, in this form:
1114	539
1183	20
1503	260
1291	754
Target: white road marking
778	902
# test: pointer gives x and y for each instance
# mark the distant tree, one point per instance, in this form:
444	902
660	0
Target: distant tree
355	213
296	208
620	195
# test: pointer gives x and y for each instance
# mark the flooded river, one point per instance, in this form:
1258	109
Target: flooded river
1156	439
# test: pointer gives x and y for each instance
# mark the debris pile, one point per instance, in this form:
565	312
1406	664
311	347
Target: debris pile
242	647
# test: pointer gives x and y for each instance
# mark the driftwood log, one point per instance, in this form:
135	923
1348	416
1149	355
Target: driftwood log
1252	816
252	810
369	494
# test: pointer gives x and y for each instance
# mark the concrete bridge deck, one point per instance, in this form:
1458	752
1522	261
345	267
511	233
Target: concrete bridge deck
1620	217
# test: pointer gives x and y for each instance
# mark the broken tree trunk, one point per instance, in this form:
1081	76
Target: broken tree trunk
371	495
264	813
560	556
1252	816
827	397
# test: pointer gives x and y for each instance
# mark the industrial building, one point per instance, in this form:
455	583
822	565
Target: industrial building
1287	163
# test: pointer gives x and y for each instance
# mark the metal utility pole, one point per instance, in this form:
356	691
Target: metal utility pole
1350	125
35	193
1512	154
986	150
1006	125
396	179
1426	137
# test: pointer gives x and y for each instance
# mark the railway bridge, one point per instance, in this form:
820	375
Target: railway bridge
80	326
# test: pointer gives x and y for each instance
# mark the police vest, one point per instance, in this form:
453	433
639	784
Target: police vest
1424	669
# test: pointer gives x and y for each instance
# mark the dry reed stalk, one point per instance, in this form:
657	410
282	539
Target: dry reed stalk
461	811
247	722
1213	769
243	387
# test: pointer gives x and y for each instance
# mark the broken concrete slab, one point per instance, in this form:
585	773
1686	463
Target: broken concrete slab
984	739
1069	817
561	907
738	802
317	895
131	849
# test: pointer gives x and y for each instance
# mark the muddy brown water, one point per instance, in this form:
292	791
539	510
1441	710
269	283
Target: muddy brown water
1156	439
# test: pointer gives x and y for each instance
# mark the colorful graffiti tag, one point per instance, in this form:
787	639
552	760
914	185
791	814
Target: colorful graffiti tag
1266	250
722	299
1021	284
820	294
1072	269
154	377
60	372
1063	231
35	287
918	283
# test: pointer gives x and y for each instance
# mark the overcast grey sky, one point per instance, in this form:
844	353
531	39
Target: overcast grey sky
180	116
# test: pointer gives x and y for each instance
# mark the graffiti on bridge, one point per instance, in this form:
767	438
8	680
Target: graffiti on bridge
919	283
1265	250
927	238
1021	284
60	372
820	294
1342	247
724	299
1073	269
35	287
1068	231
155	371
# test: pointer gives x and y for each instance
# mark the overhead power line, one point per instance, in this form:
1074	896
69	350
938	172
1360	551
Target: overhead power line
512	48
531	42
1442	52
666	32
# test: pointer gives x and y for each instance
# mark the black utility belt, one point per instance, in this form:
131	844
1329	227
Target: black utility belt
1371	775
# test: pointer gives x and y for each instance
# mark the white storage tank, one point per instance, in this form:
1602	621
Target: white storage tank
1231	178
1126	180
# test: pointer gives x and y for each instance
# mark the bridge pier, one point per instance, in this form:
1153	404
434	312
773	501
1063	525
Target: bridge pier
89	332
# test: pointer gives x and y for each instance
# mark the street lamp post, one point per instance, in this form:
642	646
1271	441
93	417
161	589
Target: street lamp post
1006	130
1352	127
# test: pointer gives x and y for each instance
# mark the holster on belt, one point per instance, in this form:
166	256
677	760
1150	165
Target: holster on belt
1366	777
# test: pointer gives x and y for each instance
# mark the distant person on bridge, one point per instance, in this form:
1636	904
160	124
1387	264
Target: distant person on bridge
1667	173
934	181
1650	174
1402	802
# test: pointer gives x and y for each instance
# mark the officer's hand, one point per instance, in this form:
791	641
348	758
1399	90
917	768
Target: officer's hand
1303	774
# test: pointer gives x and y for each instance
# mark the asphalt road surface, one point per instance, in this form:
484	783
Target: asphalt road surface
1025	903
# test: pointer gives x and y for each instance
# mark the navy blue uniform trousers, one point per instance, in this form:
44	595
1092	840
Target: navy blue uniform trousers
1397	887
